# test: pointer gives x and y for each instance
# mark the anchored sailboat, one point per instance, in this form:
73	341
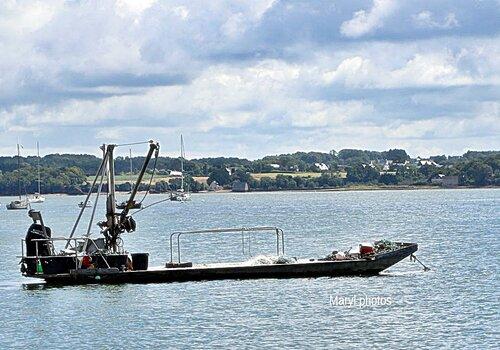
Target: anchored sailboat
88	259
37	197
82	204
20	203
181	195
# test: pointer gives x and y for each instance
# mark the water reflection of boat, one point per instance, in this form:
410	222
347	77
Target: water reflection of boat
88	259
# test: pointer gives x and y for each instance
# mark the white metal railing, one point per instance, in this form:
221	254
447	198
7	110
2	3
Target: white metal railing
251	230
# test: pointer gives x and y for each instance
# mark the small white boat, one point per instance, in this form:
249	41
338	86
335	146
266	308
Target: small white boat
18	204
123	205
37	198
82	204
180	196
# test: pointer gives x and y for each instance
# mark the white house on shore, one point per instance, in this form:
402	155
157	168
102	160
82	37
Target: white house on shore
424	161
321	166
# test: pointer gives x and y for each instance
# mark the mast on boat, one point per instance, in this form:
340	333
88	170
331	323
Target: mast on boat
131	173
19	171
19	203
182	164
180	194
38	167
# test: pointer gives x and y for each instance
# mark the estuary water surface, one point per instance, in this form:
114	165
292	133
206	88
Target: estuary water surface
455	305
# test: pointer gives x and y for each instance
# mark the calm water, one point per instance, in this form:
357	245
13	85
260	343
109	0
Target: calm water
455	305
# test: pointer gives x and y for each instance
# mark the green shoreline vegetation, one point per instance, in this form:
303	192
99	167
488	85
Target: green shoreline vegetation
347	169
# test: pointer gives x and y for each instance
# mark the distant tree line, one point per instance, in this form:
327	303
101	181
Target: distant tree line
70	180
67	173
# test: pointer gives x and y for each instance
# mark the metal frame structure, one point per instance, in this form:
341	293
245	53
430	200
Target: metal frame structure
114	224
280	236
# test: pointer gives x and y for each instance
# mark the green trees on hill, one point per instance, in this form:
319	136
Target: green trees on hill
67	173
53	180
362	173
289	182
221	176
396	155
479	173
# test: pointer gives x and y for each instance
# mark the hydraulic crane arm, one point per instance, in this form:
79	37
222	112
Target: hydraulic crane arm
116	224
154	147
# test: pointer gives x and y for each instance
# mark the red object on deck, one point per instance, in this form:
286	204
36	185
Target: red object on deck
86	261
366	249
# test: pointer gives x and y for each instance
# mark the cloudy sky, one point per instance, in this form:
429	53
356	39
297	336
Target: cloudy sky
250	78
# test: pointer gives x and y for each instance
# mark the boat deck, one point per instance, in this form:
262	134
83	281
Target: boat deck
216	271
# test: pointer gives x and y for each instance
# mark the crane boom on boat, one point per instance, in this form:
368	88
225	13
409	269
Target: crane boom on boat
116	222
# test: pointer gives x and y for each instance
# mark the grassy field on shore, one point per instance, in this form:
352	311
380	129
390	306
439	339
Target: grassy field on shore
258	176
123	178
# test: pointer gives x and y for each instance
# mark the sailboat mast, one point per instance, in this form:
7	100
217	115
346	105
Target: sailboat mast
18	171
38	166
182	164
130	160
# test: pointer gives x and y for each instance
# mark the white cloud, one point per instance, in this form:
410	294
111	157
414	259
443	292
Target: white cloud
430	70
353	72
421	70
181	11
21	18
482	123
110	134
425	19
319	114
364	22
246	73
133	6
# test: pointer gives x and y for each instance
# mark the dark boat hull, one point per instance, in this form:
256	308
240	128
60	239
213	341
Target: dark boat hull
124	205
61	265
361	267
